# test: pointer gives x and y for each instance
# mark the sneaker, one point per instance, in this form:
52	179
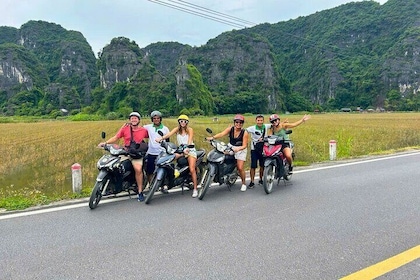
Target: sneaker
251	185
140	197
195	193
290	169
164	190
243	188
260	182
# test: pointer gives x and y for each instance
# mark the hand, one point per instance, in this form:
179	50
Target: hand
186	151
210	138
306	117
159	139
101	145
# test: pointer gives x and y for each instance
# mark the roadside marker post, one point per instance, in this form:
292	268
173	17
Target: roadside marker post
76	172
333	149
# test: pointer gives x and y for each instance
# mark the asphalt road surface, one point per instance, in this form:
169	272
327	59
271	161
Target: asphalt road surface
328	222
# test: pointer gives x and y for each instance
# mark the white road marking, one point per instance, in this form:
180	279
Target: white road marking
48	209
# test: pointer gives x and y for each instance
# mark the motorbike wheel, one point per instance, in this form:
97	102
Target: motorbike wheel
200	171
154	185
286	175
268	179
208	179
96	194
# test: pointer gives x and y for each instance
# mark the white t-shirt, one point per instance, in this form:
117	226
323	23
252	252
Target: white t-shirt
154	147
254	136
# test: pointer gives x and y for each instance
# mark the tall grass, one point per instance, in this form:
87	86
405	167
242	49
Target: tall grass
37	156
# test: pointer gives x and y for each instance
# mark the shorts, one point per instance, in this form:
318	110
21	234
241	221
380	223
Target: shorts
256	157
150	164
241	155
192	153
133	161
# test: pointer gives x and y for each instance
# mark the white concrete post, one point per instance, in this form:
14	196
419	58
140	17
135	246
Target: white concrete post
333	149
76	172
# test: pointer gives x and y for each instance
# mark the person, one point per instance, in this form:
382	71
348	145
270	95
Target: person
154	147
257	133
184	135
238	138
279	128
132	131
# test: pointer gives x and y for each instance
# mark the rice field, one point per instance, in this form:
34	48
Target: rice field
37	156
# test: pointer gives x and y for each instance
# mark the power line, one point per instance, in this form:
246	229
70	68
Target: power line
207	13
204	13
246	22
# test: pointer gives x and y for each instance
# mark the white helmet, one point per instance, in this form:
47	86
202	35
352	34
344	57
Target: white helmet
136	114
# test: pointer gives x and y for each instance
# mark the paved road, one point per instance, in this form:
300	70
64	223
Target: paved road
327	223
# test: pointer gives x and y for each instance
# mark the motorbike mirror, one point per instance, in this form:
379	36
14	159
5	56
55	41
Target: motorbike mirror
103	134
209	130
160	132
289	131
257	133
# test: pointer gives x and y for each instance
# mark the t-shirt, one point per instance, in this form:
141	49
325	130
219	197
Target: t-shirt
139	134
254	136
154	147
282	133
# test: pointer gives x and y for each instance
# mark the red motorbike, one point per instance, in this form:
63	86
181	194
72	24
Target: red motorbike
276	166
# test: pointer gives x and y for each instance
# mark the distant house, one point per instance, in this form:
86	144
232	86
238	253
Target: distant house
347	110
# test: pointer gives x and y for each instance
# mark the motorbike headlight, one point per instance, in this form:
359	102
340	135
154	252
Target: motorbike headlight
220	146
272	141
171	148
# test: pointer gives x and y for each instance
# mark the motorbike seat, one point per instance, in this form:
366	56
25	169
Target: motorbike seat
200	152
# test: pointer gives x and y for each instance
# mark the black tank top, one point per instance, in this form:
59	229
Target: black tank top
236	141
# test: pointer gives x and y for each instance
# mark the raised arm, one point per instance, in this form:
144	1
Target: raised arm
299	122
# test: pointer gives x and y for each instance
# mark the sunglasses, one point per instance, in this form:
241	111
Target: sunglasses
273	121
182	121
239	122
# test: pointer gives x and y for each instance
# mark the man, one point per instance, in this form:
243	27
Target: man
257	132
132	132
154	147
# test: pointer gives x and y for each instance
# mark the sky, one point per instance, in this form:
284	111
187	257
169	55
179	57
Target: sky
151	21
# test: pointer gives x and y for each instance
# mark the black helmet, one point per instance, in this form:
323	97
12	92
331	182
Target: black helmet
136	114
155	114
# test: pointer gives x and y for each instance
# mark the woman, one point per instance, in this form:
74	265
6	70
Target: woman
238	138
184	135
279	128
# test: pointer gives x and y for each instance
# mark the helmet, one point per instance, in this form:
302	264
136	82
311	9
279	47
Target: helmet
183	117
156	113
274	117
239	118
136	114
259	116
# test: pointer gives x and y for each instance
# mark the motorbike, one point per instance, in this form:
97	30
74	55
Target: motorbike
174	173
116	174
276	166
221	166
